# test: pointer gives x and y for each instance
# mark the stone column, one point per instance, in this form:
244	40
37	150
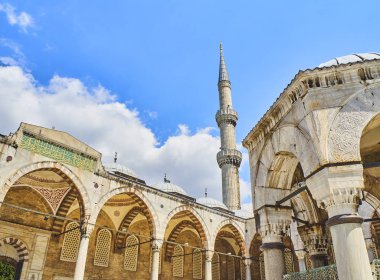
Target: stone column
247	263
208	265
301	260
156	248
347	235
80	266
274	223
273	249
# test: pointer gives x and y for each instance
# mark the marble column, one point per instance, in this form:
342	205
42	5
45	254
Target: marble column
347	235
247	264
208	265
80	266
301	260
273	249
156	248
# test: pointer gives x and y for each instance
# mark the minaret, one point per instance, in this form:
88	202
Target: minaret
229	158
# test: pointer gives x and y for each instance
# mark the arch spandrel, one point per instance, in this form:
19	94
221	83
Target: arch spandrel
140	198
349	123
61	170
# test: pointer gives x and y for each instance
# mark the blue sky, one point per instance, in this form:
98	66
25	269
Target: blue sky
161	58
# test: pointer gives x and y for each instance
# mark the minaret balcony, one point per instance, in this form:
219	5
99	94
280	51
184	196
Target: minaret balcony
229	156
226	115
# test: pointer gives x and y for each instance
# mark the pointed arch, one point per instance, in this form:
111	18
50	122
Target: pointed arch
198	221
69	176
129	217
18	245
237	231
137	196
287	139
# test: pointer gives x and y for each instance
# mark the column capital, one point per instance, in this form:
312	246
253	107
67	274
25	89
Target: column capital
315	240
86	230
273	232
209	255
247	262
156	245
342	201
300	254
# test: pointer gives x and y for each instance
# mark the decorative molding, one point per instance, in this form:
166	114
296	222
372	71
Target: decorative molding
56	152
54	197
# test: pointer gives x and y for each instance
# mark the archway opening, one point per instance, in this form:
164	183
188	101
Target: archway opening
184	247
229	246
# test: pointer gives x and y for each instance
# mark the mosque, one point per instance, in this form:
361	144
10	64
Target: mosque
315	174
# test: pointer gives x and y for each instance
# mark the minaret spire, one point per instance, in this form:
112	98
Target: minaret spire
229	158
223	74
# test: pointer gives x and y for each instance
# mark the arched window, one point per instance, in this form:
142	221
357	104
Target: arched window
288	256
131	253
197	264
103	246
177	261
71	243
215	267
262	266
231	267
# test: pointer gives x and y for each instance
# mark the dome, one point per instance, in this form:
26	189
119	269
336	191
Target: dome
118	168
243	213
352	58
211	202
170	187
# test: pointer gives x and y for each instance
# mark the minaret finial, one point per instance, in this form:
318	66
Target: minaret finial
223	74
115	158
166	180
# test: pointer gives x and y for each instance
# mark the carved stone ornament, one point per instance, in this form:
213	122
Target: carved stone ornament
54	197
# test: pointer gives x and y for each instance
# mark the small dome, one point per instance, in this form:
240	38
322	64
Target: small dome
243	213
170	187
118	168
350	59
211	202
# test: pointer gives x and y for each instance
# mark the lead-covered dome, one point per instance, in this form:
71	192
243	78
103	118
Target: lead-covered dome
211	202
352	58
167	186
115	168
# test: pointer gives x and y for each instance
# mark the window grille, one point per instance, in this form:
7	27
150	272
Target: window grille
288	258
102	249
262	266
131	253
231	268
177	261
308	263
71	243
215	267
197	264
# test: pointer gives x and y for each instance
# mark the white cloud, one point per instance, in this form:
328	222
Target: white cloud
94	116
17	56
22	19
